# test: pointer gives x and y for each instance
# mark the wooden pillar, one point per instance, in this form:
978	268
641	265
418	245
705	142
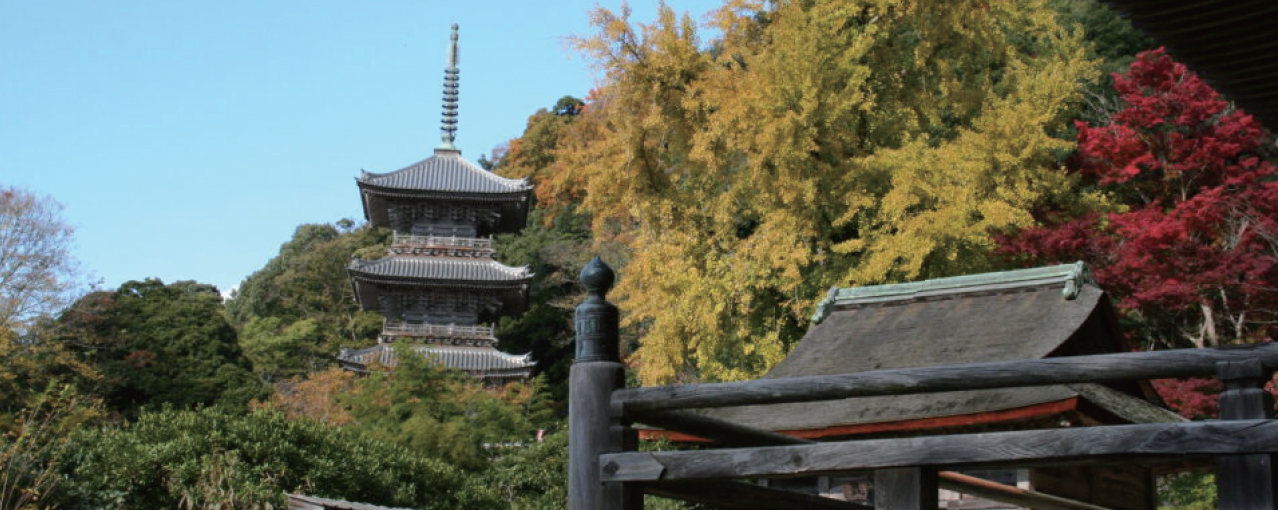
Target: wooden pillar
1245	482
905	489
593	427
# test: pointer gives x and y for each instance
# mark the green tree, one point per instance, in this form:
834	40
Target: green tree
160	344
217	458
295	313
819	144
444	413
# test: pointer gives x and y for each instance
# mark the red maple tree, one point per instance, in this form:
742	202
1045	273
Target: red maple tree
1190	254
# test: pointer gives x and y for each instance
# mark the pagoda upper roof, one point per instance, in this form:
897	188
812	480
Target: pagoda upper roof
438	268
447	172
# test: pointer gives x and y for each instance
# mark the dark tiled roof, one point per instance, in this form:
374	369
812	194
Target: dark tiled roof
991	317
446	171
438	268
1231	43
300	502
476	360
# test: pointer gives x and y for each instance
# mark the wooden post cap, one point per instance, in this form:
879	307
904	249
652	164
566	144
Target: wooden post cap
596	320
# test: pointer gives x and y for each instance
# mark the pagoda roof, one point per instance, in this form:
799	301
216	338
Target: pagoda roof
445	171
301	502
1014	315
371	277
407	269
481	361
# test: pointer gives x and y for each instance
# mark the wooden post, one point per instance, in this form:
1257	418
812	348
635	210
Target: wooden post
593	427
905	489
1245	482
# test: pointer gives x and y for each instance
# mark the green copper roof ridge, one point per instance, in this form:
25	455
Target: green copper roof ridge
1074	276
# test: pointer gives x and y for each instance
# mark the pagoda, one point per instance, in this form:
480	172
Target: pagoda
440	287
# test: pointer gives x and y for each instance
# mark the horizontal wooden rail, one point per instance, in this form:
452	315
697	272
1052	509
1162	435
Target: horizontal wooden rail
742	496
972	376
727	433
1131	443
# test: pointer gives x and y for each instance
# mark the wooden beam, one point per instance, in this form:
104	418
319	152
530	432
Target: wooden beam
742	496
905	489
1246	482
972	376
1133	443
983	488
722	432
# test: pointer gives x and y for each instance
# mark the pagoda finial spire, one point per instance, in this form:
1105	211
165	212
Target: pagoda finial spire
448	127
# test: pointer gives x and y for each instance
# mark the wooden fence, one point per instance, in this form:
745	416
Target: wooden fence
606	472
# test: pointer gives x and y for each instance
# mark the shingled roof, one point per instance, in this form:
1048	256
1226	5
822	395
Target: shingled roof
446	171
370	277
300	502
1230	43
485	362
1027	314
445	177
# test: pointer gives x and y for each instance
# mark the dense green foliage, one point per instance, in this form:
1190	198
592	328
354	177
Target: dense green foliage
298	311
443	413
157	344
210	457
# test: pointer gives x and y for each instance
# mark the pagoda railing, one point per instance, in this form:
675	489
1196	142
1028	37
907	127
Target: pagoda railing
449	241
395	328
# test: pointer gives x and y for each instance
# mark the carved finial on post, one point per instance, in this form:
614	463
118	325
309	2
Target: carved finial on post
597	320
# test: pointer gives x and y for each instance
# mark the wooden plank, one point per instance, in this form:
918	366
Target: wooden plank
1133	443
1246	482
722	432
905	489
589	425
982	488
972	376
741	496
726	433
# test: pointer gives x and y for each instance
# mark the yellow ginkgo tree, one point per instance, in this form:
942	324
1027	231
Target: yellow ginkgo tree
811	144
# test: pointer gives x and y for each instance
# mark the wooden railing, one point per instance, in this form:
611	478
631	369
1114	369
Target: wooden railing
606	472
393	328
478	243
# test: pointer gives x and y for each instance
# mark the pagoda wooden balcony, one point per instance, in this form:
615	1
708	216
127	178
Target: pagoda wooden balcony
405	244
398	329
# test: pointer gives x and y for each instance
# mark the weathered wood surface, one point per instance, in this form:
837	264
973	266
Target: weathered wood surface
1131	443
1246	482
590	426
1027	498
723	432
905	489
972	376
741	496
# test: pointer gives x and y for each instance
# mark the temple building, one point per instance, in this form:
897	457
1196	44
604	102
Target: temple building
1014	315
440	287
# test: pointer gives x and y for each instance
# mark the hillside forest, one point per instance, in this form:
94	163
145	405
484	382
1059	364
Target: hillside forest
730	181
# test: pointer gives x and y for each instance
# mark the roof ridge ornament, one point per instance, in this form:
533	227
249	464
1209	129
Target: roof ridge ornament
448	122
1071	276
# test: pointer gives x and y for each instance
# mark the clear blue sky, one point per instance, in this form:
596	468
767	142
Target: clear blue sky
188	139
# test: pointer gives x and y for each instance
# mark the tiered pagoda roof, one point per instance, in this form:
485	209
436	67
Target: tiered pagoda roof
445	176
483	362
371	277
439	283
